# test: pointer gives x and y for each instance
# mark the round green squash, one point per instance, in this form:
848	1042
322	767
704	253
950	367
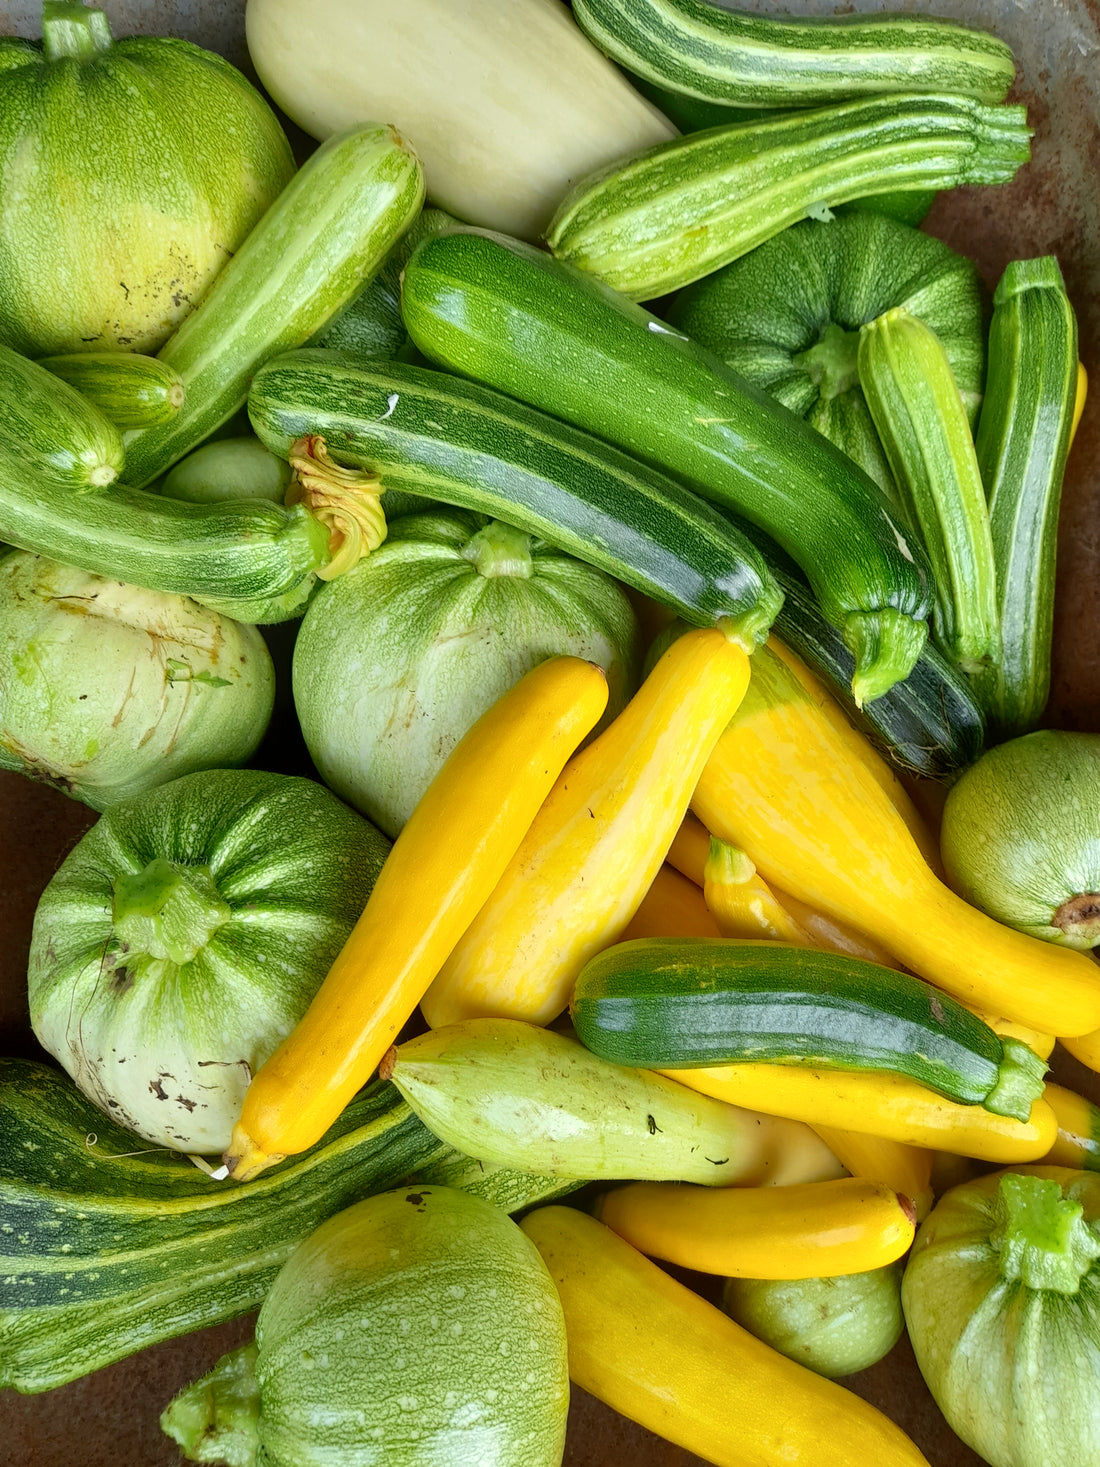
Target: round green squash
418	1328
132	171
184	936
397	658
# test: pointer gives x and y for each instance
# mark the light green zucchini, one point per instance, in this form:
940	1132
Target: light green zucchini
915	403
328	232
429	433
716	54
134	391
682	209
682	1003
49	428
1022	444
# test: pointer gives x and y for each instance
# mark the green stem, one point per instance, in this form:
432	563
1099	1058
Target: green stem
728	865
167	911
1019	1081
1042	1237
217	1418
73	30
885	645
832	363
500	550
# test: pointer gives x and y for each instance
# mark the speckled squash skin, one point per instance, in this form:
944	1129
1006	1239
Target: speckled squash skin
127	180
417	1328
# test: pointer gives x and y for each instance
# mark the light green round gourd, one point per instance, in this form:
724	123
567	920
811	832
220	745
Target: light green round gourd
107	690
1021	836
418	1328
184	936
397	658
228	468
834	1326
132	170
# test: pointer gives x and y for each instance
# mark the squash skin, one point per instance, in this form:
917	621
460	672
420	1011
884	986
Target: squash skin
156	200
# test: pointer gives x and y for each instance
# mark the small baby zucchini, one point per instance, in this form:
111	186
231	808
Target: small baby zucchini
134	391
49	428
686	1004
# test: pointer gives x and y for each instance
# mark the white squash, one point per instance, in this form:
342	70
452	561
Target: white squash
506	102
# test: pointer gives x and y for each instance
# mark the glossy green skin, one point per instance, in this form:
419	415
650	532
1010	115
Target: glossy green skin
133	391
1022	445
107	690
679	1003
500	312
710	52
683	209
329	231
428	433
132	176
50	428
115	1246
834	1326
1020	834
169	1042
399	657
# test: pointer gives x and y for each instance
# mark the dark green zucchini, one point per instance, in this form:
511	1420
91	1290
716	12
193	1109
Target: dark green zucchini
683	1003
424	432
505	314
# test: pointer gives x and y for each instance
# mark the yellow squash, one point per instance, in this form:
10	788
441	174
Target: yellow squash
597	843
815	1230
661	1355
1085	1048
672	907
881	1104
903	1168
1078	1141
783	785
442	867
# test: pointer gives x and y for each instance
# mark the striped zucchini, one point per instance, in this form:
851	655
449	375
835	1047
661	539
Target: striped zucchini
919	413
134	391
503	313
1022	443
670	1003
682	209
428	433
715	54
327	232
49	428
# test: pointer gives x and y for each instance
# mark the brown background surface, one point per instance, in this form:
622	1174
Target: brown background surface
109	1419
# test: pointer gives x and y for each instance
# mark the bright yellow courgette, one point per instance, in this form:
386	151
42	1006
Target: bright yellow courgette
881	1104
443	865
597	843
672	907
1085	1048
1078	1141
783	786
661	1355
903	1168
816	1230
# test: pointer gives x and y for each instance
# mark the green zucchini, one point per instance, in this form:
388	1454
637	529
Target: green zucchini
1022	444
682	1003
228	468
427	433
715	54
680	210
49	428
134	391
914	400
327	232
503	313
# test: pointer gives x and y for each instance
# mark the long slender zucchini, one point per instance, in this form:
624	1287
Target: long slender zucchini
682	209
326	234
685	1004
49	428
132	390
707	51
503	313
1022	443
428	433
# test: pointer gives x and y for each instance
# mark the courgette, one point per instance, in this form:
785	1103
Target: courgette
1022	443
49	428
682	209
325	235
498	311
709	52
431	434
683	1004
132	390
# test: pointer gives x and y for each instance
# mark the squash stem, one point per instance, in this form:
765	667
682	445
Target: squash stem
1079	919
885	644
167	911
500	550
1042	1238
217	1418
74	30
346	501
1019	1081
832	362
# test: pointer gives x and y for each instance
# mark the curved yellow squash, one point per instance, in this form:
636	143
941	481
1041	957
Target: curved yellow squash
672	907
